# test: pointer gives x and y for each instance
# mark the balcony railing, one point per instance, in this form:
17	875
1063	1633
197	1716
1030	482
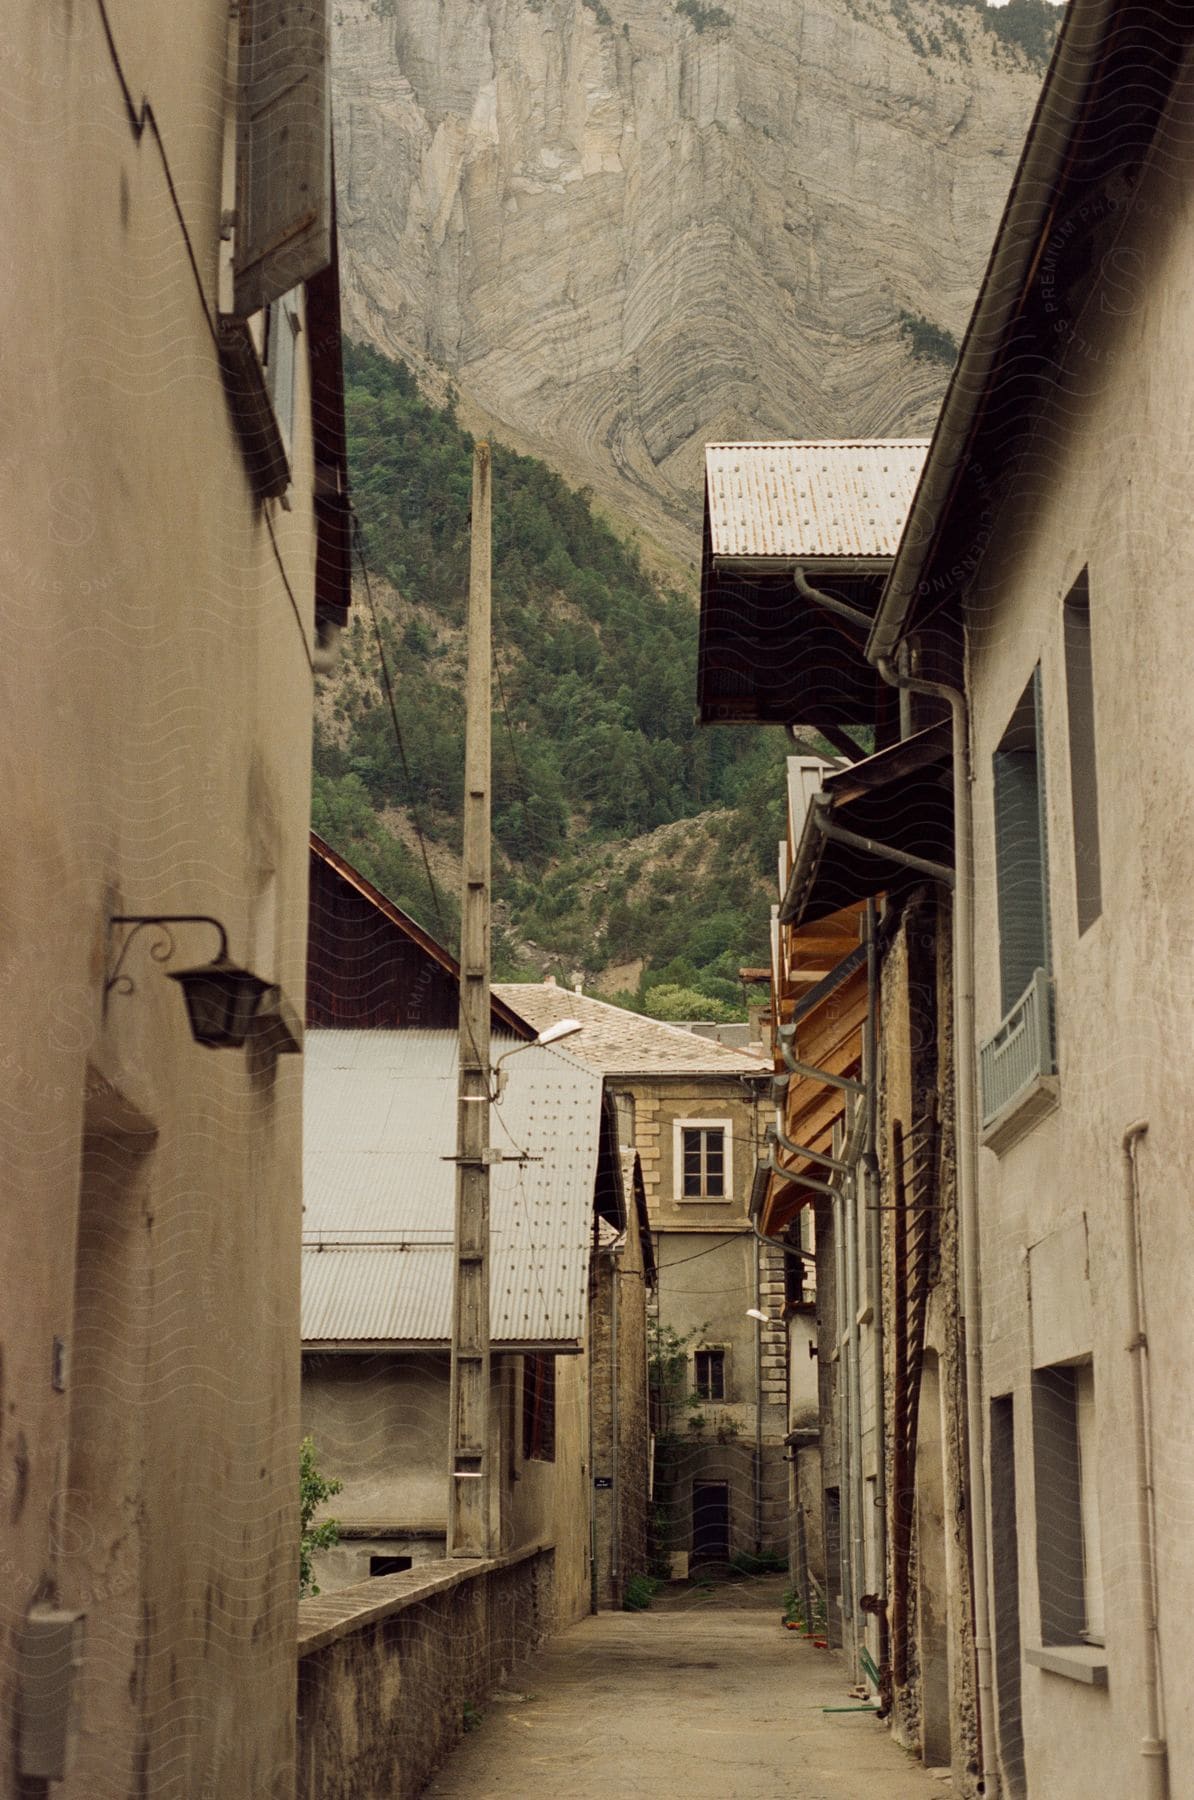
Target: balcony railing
1021	1050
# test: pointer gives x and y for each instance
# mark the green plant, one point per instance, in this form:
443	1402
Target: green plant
314	1489
639	1592
705	18
928	342
667	1368
758	1562
470	1717
794	1612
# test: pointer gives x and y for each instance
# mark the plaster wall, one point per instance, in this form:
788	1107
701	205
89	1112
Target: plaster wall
381	1427
1106	489
155	694
620	1423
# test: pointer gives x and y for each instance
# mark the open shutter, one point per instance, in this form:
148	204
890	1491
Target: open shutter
1020	850
284	188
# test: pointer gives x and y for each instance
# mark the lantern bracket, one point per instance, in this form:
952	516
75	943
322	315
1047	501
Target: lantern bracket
162	950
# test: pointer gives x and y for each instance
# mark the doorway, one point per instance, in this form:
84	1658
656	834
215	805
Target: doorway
710	1521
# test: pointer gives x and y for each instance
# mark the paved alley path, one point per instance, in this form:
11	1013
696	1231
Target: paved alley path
705	1697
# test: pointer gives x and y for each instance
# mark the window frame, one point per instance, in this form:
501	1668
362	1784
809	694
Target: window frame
538	1406
1021	742
722	1367
1083	736
725	1127
1066	1503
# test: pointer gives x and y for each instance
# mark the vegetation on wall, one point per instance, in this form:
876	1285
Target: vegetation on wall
928	342
594	737
314	1490
705	18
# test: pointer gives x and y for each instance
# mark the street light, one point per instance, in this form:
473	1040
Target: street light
752	1312
222	1000
551	1034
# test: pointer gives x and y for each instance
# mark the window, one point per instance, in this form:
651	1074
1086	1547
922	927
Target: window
539	1408
389	1565
1068	1539
701	1150
282	327
1084	786
1021	860
710	1374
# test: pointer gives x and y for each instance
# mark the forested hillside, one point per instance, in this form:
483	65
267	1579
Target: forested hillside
595	744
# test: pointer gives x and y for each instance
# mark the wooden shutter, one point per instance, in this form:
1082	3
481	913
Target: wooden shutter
1020	856
284	189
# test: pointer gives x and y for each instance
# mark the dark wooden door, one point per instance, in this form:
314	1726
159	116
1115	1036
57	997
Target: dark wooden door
710	1521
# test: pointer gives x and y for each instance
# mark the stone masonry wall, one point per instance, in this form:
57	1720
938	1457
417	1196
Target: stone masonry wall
387	1669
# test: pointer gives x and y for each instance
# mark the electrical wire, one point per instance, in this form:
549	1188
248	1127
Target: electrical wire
359	546
142	119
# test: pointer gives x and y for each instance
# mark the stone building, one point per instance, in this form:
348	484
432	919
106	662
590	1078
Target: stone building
1046	552
174	567
571	1265
690	1108
855	1176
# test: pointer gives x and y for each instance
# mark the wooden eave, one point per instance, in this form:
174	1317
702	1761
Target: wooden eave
501	1014
829	1037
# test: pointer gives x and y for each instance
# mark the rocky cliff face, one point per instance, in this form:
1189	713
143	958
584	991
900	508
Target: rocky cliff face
622	230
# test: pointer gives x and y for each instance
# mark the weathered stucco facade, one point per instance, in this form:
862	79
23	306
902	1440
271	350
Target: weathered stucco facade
161	625
1105	493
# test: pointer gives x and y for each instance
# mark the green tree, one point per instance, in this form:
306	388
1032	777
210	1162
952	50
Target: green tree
314	1489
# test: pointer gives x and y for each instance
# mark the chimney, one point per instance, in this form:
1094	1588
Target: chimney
549	981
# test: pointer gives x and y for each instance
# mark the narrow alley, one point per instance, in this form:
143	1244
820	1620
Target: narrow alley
704	1697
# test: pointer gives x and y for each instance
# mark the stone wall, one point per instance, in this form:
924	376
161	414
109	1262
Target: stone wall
388	1671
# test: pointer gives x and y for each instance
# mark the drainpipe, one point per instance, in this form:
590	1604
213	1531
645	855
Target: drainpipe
858	1528
967	1153
758	1482
842	1360
1152	1745
615	1529
875	1277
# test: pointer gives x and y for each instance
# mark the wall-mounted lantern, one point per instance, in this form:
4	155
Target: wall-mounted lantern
222	1000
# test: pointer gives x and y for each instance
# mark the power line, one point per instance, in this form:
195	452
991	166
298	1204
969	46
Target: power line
358	545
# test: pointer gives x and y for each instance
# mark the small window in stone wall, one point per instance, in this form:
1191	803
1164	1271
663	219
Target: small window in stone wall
704	1160
539	1408
389	1565
710	1374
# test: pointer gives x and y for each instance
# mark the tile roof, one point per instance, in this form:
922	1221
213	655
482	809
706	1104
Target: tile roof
379	1120
618	1042
795	499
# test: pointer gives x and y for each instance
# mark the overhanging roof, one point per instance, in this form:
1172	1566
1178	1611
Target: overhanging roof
1107	85
379	1123
901	798
835	509
841	500
405	929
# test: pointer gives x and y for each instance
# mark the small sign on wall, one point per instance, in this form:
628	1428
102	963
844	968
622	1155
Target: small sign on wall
603	1481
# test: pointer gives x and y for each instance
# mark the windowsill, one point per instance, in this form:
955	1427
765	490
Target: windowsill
703	1200
1017	1118
1086	1663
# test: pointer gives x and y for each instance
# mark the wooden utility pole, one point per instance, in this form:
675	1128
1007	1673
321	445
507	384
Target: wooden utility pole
469	1531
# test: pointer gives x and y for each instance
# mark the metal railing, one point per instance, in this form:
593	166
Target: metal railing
1021	1050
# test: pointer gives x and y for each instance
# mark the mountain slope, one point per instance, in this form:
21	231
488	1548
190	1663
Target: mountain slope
622	229
595	748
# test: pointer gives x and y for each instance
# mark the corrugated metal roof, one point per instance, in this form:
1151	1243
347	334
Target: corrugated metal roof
806	499
618	1042
379	1113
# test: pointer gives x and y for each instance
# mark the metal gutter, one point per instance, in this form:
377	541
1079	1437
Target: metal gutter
1153	1747
1019	240
808	1071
